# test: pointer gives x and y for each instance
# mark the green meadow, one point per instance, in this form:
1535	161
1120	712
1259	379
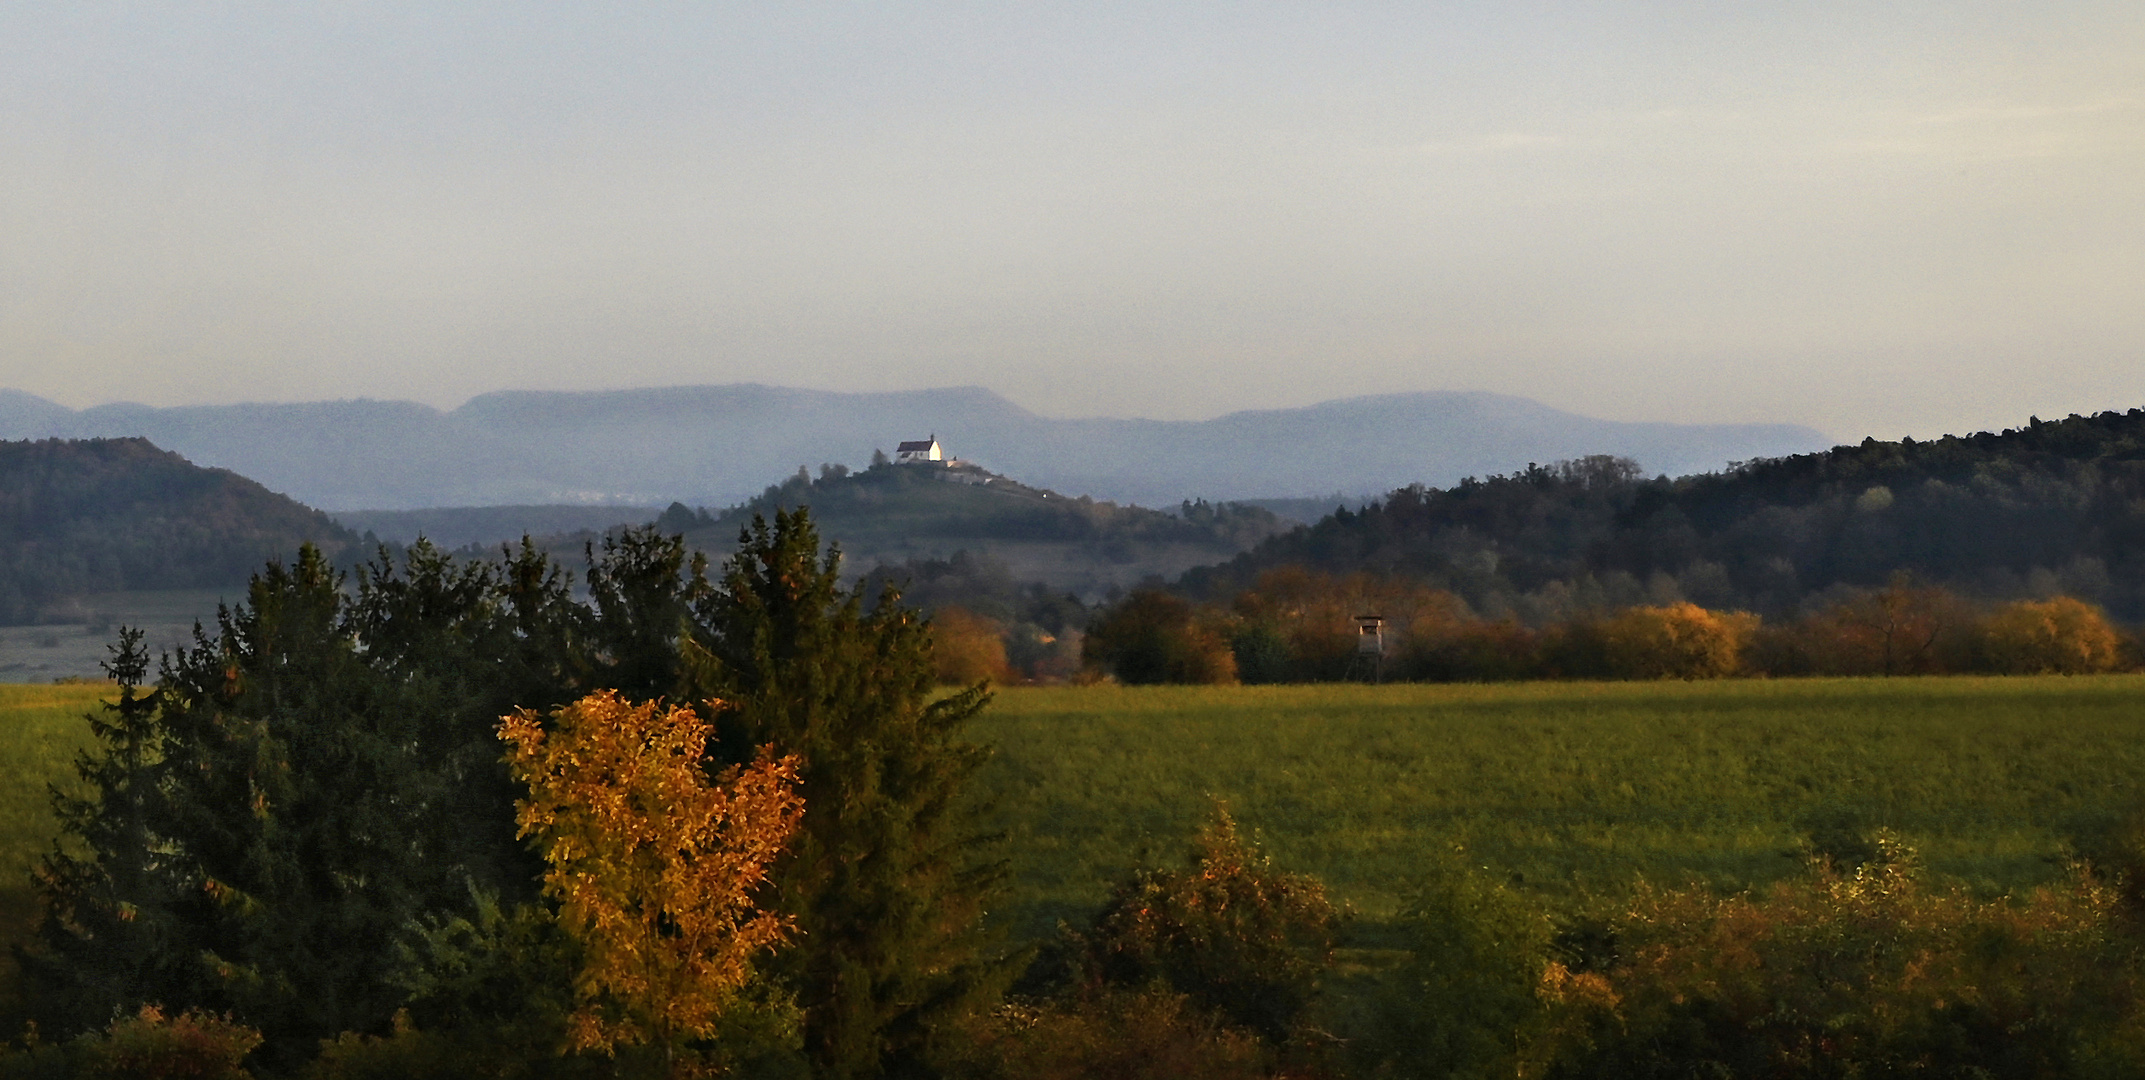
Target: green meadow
1570	790
41	729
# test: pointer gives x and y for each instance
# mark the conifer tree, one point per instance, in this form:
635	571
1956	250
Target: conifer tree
298	792
318	774
641	593
104	896
301	787
455	645
883	879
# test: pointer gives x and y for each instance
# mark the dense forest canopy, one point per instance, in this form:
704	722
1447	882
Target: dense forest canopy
104	515
2051	507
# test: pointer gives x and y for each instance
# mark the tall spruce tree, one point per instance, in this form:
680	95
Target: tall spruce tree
300	788
884	879
641	590
103	940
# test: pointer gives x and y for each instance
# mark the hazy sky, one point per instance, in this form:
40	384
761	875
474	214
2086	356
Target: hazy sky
1888	218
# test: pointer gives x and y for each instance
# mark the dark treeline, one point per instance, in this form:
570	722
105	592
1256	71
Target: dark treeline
2050	508
106	515
989	625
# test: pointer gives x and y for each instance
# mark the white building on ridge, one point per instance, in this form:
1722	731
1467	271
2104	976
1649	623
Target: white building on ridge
918	453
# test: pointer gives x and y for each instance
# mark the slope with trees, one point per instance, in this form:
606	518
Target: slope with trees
2052	507
890	513
107	515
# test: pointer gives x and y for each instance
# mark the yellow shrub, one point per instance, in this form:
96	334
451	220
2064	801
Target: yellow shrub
2060	635
967	648
1873	973
1680	641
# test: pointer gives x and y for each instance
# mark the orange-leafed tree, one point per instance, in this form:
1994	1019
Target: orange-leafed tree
967	648
655	867
2060	635
1902	629
1678	641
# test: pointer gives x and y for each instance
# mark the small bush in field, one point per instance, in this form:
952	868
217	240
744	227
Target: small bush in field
1108	1034
1874	973
2058	636
411	1054
967	648
194	1045
1153	637
1458	1007
1230	931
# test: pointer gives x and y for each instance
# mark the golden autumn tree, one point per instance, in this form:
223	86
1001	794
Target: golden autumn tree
654	866
967	648
2060	635
1677	641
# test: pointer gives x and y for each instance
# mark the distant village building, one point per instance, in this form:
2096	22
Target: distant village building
918	453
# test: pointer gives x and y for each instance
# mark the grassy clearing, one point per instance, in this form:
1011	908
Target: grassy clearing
41	729
1572	789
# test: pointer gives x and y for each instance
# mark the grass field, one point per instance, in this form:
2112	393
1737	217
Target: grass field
1572	789
41	729
78	634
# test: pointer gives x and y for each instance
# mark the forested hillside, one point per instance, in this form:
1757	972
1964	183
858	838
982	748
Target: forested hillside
2051	507
104	515
898	513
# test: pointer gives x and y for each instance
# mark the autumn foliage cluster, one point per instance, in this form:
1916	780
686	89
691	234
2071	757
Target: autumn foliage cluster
656	869
1213	969
1296	625
1869	970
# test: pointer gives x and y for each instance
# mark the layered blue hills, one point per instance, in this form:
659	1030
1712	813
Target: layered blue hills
716	445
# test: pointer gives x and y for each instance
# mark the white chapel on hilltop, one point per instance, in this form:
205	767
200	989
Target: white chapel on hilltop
918	453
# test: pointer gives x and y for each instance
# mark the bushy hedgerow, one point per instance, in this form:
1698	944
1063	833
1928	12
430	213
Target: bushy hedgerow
150	1045
1294	625
1878	972
1153	637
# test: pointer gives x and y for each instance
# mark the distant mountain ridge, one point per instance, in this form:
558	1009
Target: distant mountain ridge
717	445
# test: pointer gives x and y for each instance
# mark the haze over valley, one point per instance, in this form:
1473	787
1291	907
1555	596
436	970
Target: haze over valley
717	445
